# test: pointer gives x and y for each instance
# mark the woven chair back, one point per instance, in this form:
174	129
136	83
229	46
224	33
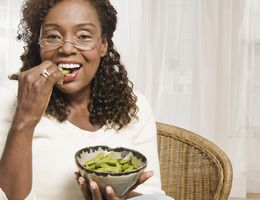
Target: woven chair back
192	167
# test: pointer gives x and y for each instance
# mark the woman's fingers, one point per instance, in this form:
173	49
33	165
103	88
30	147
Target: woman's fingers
145	176
96	194
77	175
84	188
89	190
92	189
51	73
83	185
110	193
36	84
47	72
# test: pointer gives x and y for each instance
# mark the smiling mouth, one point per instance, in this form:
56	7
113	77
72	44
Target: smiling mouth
68	69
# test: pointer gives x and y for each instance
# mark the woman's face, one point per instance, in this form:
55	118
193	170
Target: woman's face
76	27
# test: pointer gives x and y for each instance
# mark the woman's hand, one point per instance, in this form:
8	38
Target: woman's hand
91	190
34	92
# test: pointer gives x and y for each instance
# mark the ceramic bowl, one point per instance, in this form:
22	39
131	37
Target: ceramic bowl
121	182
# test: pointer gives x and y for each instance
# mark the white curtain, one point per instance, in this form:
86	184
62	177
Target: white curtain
10	49
197	62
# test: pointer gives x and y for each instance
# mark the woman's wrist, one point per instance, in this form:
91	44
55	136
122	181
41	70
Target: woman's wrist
22	126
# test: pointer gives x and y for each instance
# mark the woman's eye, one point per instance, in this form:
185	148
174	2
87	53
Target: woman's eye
53	37
85	37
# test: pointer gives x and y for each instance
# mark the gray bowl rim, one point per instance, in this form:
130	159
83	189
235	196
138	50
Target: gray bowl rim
118	149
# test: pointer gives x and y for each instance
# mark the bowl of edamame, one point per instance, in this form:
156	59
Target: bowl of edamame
118	167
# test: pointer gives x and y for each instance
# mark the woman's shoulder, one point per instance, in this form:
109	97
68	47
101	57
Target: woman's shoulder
142	101
8	91
145	111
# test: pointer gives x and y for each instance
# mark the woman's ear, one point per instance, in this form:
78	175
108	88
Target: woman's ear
104	45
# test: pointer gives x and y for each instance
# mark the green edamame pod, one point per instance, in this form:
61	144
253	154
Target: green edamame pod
109	159
95	159
123	161
91	167
130	168
108	162
65	71
125	166
134	162
108	169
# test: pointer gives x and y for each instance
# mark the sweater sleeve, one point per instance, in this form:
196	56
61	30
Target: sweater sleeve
7	109
146	142
2	195
8	91
7	106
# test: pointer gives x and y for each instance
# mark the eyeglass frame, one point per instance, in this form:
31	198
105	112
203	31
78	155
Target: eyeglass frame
73	43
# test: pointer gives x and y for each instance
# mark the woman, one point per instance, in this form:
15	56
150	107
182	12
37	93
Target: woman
72	92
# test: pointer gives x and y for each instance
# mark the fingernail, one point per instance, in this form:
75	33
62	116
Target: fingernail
109	190
81	180
151	173
92	185
60	82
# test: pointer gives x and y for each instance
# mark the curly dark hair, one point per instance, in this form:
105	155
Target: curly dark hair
112	102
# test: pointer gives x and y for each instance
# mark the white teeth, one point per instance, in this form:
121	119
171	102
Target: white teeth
68	66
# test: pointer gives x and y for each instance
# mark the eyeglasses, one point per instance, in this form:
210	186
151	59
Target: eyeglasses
81	43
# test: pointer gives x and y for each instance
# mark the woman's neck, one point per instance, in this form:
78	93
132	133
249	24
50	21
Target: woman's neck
80	118
79	113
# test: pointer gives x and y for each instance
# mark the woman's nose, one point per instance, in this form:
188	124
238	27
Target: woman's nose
68	47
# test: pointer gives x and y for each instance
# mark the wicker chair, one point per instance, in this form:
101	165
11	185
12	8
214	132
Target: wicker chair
192	167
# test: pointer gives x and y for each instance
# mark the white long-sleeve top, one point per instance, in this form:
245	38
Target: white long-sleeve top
55	144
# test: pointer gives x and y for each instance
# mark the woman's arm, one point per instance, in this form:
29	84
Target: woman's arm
7	108
16	162
34	93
